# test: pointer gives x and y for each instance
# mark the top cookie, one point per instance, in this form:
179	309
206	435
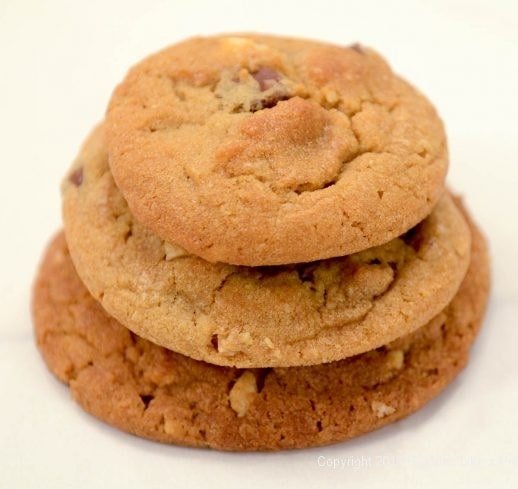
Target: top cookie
257	150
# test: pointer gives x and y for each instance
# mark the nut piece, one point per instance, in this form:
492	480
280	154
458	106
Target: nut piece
381	409
395	359
173	251
242	393
234	343
330	96
173	427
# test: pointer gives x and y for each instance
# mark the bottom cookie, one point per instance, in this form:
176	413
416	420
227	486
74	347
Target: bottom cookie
152	392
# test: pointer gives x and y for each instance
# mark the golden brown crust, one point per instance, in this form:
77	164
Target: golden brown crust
255	317
258	150
155	393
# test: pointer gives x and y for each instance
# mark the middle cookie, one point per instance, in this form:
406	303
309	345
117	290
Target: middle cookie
246	317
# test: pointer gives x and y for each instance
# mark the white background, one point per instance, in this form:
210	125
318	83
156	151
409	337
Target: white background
59	61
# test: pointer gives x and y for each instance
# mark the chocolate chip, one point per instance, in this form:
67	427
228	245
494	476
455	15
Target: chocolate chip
414	238
266	77
357	47
76	177
268	102
146	399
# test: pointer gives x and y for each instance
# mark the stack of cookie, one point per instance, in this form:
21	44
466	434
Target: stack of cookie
259	250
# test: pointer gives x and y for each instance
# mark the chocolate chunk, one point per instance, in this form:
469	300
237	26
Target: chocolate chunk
76	177
268	102
414	238
266	77
146	399
357	47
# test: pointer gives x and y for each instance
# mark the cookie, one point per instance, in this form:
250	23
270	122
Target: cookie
152	392
255	317
257	150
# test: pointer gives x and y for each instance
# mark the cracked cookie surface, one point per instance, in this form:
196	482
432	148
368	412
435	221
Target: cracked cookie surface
152	392
262	316
257	150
